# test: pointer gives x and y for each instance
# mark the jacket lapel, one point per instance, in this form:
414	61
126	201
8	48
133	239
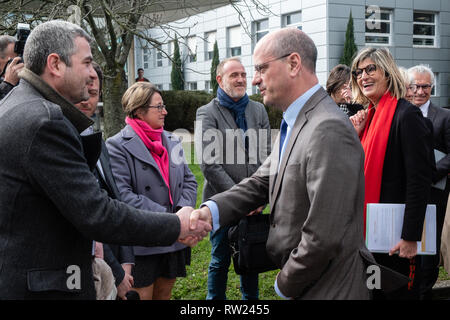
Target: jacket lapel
167	139
300	122
431	112
92	148
137	148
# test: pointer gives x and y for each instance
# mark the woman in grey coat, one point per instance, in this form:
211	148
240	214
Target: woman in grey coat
151	173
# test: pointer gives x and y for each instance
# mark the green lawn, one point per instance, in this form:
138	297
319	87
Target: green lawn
193	287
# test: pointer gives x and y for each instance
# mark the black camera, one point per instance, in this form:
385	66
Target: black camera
22	33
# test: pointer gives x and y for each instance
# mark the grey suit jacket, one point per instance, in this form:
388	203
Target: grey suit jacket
224	159
140	182
51	206
317	196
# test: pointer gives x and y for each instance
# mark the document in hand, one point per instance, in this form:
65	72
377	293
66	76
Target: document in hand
384	222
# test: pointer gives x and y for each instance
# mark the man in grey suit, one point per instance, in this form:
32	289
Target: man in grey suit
241	135
313	180
51	206
422	81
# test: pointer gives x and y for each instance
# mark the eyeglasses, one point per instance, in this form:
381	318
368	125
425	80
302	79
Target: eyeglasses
416	87
259	68
160	107
370	69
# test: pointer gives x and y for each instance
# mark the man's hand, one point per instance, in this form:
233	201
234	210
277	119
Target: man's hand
405	249
200	215
125	286
12	71
256	211
190	234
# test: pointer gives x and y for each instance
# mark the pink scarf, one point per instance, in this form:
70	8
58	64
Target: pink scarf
152	140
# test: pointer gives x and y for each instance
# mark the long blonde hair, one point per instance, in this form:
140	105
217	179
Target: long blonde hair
385	62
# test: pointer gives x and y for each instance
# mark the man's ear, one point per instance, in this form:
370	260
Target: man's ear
219	79
295	62
55	65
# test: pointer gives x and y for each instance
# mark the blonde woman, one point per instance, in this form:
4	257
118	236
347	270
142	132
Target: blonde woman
397	141
151	173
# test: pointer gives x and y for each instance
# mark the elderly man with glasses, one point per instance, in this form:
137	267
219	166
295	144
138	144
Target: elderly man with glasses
422	82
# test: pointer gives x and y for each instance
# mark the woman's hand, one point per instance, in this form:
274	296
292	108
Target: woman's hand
359	121
405	249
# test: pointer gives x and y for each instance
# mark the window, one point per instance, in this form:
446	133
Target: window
158	56
293	19
234	41
192	49
433	90
146	57
210	39
191	86
261	29
159	86
208	87
378	26
424	29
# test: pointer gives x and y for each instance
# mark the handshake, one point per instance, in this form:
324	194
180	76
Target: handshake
194	224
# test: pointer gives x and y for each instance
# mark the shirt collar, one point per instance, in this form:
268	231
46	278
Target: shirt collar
424	108
290	115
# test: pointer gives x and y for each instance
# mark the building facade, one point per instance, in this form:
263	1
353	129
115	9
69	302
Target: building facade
415	31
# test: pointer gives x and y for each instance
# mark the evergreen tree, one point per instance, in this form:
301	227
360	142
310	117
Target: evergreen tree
176	75
349	47
214	63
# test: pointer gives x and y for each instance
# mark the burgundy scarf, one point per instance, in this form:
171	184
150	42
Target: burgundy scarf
152	140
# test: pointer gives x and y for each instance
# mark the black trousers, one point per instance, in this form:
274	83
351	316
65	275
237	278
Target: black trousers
408	267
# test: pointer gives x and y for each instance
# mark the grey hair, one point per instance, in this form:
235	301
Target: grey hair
54	36
294	40
4	42
421	68
219	69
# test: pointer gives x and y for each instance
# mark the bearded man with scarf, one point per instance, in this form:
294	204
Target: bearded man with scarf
235	156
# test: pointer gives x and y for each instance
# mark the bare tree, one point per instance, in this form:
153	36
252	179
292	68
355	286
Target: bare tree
114	24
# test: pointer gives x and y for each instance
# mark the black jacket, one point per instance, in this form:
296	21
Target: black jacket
408	167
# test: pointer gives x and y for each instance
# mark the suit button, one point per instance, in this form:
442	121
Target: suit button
147	188
144	167
179	185
273	225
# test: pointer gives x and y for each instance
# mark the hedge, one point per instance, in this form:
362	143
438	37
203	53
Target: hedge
182	107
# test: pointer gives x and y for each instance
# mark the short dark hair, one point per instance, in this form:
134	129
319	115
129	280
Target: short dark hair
339	76
54	36
4	42
140	69
98	69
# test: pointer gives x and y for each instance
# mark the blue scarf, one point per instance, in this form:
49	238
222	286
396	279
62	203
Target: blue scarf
237	108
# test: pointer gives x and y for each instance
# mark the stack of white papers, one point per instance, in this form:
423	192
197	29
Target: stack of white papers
384	222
